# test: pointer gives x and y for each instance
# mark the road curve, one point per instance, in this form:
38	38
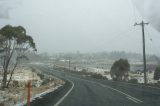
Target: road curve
92	92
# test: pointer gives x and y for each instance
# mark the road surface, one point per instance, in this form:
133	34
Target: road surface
92	92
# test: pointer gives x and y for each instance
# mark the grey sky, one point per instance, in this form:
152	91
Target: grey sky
84	25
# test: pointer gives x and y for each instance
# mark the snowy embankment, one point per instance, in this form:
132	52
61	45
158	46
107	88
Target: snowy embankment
103	72
40	95
16	94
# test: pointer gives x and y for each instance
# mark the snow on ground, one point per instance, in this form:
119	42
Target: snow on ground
138	76
38	96
98	70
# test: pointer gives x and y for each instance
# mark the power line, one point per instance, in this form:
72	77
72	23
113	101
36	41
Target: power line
152	41
119	35
115	36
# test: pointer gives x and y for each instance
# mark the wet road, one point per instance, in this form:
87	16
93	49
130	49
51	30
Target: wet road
92	92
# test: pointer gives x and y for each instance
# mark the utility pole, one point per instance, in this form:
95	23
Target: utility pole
142	24
69	63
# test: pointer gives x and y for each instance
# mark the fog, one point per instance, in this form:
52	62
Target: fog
150	10
85	25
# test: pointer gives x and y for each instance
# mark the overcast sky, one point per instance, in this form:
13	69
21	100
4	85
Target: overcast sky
84	25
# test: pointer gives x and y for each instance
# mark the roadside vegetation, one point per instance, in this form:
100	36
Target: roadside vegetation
14	43
17	91
119	70
157	73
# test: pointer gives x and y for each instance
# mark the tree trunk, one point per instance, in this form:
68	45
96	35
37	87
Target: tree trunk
4	81
9	80
11	75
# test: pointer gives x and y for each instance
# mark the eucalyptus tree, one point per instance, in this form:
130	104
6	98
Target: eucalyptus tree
14	43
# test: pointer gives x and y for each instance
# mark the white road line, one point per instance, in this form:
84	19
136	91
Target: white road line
135	99
58	103
127	95
132	100
124	93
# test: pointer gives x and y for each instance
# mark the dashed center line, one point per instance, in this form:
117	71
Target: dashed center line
132	100
127	95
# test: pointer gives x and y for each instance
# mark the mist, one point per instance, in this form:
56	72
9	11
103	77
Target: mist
83	25
150	10
6	6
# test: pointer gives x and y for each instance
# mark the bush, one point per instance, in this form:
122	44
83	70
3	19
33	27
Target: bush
157	73
120	69
15	84
97	76
135	81
84	70
41	75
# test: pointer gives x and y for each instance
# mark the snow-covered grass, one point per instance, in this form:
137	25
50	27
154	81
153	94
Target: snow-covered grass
40	95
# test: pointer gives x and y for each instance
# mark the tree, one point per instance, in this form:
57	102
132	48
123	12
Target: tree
119	69
14	44
157	73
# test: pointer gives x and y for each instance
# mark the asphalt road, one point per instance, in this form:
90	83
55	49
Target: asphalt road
92	92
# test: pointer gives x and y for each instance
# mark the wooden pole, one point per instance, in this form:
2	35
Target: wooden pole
144	51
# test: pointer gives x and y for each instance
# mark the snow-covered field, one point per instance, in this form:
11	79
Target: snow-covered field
138	76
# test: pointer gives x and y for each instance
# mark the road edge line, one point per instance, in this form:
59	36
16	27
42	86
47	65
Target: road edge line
60	101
